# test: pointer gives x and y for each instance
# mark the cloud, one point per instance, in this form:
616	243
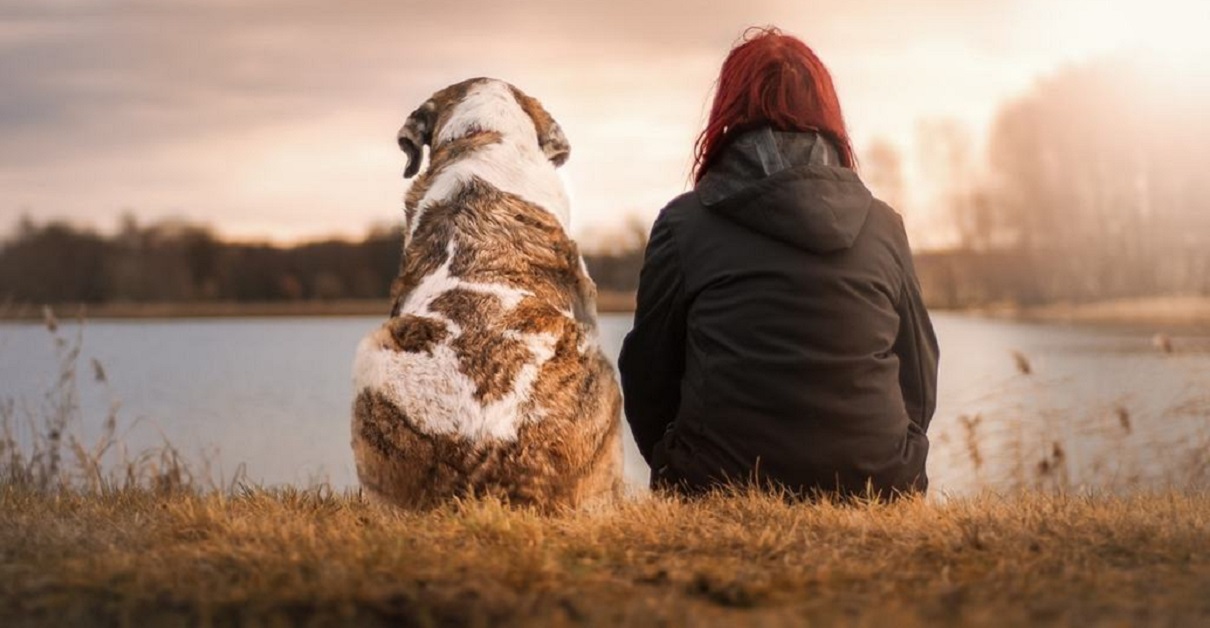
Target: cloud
181	107
277	117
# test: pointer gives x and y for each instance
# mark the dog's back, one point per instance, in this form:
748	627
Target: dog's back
488	378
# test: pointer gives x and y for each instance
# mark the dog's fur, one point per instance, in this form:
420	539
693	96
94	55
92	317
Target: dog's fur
487	379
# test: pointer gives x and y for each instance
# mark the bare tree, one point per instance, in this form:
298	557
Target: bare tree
882	169
948	162
1098	175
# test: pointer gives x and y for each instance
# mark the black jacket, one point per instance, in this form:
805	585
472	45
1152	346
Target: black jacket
780	335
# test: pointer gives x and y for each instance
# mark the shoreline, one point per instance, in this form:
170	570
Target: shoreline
1179	313
1183	313
607	303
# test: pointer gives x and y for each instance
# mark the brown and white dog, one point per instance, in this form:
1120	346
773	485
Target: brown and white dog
488	378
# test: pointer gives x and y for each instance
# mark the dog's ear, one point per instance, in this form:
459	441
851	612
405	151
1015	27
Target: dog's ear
550	135
417	133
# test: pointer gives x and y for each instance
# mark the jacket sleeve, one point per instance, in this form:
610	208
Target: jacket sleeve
653	354
916	347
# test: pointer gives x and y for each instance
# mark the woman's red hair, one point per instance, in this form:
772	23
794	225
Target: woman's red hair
774	79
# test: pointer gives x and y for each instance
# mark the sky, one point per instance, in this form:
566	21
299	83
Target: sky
276	120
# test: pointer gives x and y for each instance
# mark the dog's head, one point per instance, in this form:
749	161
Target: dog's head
480	104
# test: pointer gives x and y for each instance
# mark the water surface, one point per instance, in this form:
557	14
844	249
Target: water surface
275	394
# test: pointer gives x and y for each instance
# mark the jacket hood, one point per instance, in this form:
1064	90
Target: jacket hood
789	186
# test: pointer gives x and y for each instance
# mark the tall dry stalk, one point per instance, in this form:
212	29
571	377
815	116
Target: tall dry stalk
1113	446
49	454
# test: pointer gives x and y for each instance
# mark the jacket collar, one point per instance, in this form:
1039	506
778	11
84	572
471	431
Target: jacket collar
758	153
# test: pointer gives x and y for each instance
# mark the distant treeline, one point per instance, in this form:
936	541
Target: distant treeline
57	264
174	262
1093	187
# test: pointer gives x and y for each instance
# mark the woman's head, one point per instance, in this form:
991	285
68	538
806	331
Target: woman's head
774	79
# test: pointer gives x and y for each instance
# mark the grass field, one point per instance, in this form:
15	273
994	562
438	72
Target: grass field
144	557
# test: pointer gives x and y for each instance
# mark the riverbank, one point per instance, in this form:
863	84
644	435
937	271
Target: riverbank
1161	313
137	557
1176	313
607	302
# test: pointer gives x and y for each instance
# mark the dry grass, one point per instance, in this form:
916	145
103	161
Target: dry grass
42	447
138	557
1027	433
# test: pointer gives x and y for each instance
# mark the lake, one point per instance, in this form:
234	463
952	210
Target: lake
1099	406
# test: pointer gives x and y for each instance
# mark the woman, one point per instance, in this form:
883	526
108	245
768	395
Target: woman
780	335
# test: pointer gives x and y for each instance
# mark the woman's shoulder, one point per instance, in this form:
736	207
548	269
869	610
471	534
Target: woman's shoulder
677	212
886	217
681	204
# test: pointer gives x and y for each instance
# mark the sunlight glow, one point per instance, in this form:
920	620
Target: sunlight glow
1173	29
